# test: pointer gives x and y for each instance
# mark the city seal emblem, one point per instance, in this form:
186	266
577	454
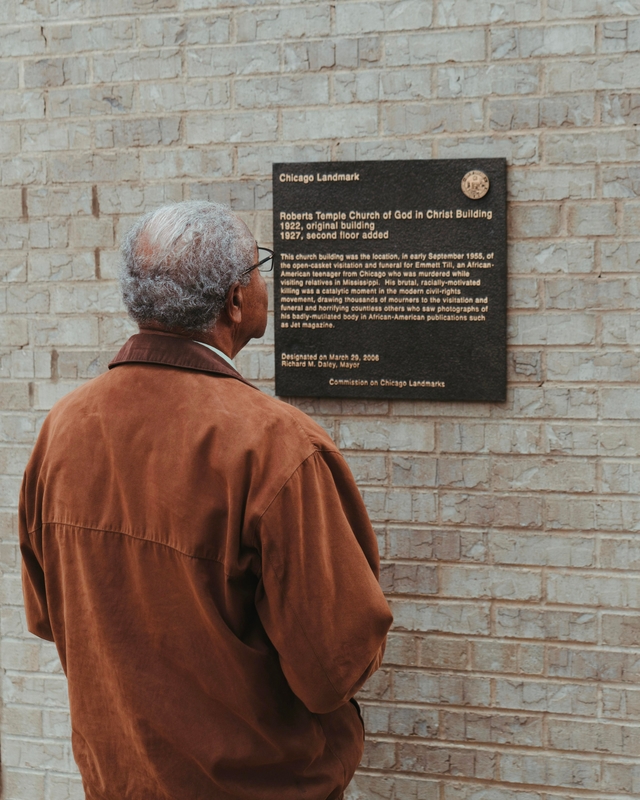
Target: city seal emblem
475	184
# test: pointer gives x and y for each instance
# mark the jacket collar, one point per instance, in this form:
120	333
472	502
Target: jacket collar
170	350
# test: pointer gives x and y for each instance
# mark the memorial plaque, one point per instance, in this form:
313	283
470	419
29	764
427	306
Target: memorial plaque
390	280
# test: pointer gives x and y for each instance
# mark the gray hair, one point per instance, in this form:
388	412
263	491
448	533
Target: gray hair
179	262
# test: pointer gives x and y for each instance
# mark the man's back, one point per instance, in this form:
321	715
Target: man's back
201	558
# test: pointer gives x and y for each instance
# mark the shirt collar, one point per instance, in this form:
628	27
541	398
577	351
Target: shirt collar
171	350
218	352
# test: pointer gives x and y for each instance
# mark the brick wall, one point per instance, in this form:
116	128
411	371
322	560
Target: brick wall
509	533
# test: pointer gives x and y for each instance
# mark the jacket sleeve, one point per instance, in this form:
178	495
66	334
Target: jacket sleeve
319	599
33	585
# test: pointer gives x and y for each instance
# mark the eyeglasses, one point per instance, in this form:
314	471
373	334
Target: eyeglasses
265	264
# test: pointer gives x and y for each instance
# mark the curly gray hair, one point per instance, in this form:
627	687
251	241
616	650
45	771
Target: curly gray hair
179	262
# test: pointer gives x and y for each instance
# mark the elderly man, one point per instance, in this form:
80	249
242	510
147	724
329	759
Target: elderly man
197	550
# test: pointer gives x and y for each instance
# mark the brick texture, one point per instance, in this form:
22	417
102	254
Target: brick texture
508	531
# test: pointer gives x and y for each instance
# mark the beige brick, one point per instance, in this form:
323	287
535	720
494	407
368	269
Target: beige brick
195	163
94	167
496	79
23	105
386	149
552	257
366	17
543	184
507	657
400	505
497	728
290	91
93	100
631	218
115	34
27	754
516	149
620	329
619	554
620	109
59	201
414	579
523	293
9	138
391	435
382	786
597	219
51	266
435	47
571	439
192	96
447	617
21	171
86	298
593	590
323	124
485	582
56	72
623	778
542	550
561	698
566	9
552	329
501	511
447	761
407	543
592	664
621	182
440	652
458	791
26	40
548	770
432	118
534	221
451	13
243	127
162	131
10	204
368	469
550	40
621	403
621	703
20	784
411	686
46	394
143	65
193	30
64	331
245	59
580	148
536	623
285	23
62	787
546	475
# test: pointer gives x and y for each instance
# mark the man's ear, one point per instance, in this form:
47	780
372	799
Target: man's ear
233	304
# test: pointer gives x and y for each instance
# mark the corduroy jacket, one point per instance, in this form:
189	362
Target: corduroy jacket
203	561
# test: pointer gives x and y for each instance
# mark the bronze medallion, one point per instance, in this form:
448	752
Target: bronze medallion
475	184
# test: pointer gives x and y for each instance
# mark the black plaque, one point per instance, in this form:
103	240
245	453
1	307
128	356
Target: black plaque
390	280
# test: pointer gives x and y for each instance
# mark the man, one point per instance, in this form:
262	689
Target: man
197	550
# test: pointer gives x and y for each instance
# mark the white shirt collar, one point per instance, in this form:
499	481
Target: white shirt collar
217	352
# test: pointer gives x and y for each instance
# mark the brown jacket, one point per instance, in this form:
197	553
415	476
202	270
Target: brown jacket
201	557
